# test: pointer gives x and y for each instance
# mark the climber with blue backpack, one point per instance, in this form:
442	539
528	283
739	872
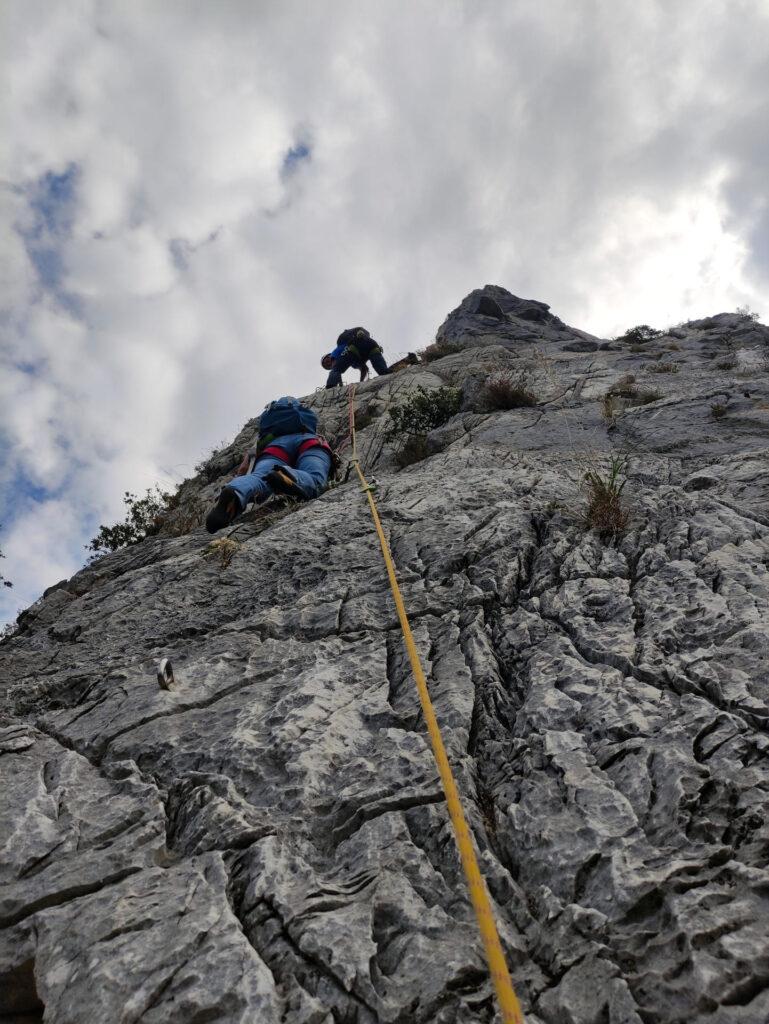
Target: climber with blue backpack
290	458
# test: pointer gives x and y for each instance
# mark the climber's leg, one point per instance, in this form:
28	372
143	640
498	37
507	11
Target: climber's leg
307	479
254	486
377	360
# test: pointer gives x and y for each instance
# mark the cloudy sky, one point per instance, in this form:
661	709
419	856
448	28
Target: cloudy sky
197	197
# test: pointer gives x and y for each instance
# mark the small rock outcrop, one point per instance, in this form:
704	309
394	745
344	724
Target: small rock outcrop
267	840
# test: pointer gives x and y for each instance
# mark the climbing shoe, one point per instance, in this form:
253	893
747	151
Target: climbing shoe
226	509
281	481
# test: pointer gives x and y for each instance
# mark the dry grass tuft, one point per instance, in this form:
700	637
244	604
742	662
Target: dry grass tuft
626	390
222	550
730	363
509	391
438	350
610	406
663	367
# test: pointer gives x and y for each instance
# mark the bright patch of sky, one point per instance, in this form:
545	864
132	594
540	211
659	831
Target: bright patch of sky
197	198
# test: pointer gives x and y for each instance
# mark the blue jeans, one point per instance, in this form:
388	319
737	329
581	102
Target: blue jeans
310	471
346	360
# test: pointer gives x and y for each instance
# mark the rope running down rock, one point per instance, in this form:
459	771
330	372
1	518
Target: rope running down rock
508	1002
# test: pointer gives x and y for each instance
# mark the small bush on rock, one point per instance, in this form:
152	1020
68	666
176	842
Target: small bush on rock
422	412
718	410
606	512
663	368
143	519
639	335
747	312
509	391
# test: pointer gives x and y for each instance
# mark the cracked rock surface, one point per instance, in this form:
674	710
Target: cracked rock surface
267	840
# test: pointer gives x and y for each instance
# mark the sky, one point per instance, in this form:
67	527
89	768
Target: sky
196	198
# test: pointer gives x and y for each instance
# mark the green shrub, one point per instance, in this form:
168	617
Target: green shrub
663	367
639	335
422	412
144	517
605	512
717	410
747	312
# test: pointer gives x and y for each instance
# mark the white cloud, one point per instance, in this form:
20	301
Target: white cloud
40	551
609	159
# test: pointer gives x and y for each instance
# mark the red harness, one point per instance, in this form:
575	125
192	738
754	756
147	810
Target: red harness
280	453
276	452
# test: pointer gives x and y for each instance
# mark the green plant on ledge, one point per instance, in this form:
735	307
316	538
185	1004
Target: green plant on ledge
143	519
422	412
639	335
606	512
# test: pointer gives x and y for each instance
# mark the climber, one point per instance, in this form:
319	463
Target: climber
290	458
354	347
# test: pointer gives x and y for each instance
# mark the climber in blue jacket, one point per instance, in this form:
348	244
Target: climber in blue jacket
354	348
290	458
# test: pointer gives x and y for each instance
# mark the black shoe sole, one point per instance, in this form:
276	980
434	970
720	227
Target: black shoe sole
224	512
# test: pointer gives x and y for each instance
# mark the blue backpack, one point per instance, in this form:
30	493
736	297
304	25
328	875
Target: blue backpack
286	416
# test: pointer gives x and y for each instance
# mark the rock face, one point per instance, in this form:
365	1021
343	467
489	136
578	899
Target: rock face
267	840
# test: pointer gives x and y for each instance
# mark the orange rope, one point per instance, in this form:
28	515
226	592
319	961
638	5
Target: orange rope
508	1002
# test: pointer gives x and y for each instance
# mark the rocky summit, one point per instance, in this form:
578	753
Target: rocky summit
581	532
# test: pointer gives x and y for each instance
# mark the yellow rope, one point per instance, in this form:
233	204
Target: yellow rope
495	957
